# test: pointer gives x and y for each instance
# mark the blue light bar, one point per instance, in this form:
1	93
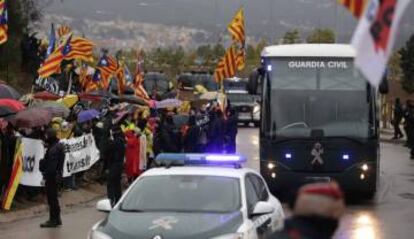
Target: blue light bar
225	158
288	155
198	159
345	157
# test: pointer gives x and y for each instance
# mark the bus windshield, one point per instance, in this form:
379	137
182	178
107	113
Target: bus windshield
307	94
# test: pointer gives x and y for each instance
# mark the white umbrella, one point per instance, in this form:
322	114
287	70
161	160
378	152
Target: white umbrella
168	103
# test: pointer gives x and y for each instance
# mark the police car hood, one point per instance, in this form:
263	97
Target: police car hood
167	225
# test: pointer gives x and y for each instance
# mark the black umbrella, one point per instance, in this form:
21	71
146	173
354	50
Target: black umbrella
9	92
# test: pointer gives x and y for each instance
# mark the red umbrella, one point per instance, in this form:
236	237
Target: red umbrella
45	95
33	117
90	97
12	104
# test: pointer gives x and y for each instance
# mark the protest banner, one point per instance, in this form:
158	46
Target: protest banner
80	154
33	152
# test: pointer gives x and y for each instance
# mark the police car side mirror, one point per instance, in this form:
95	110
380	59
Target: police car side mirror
104	205
262	208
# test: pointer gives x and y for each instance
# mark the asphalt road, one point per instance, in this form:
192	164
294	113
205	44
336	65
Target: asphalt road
389	216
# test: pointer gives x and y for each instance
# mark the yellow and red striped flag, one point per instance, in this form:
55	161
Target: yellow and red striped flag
139	87
227	66
356	7
76	48
241	59
14	179
107	67
81	49
237	28
63	31
86	79
120	76
51	65
3	22
138	83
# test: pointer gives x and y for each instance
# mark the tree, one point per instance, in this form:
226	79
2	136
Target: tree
394	68
218	51
20	14
291	37
321	36
407	65
260	46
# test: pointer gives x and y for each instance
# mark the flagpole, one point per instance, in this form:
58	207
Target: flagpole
70	84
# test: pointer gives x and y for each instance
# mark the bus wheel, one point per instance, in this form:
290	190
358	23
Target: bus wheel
256	124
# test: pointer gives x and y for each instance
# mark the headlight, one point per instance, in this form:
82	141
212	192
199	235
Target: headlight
230	236
94	234
365	167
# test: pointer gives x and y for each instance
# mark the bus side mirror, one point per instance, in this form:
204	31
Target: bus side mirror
383	87
254	83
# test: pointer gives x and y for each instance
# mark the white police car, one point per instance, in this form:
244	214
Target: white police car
197	201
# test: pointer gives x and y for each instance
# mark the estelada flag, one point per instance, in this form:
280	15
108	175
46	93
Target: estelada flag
237	28
3	22
375	35
72	48
16	174
106	68
356	7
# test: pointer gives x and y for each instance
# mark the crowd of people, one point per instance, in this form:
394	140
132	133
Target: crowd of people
128	138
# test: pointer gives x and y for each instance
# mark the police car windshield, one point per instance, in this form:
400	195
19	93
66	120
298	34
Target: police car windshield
184	193
305	94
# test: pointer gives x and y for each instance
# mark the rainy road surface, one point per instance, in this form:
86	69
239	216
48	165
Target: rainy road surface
389	216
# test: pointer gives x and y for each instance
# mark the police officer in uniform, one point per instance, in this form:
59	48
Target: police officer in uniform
51	167
115	154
